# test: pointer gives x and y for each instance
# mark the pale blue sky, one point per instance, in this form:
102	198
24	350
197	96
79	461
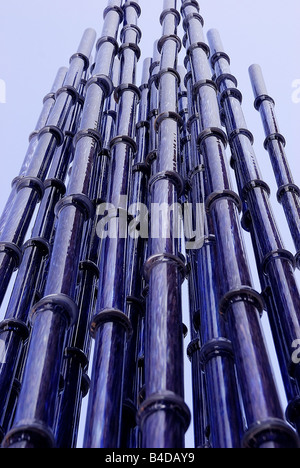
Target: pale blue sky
36	38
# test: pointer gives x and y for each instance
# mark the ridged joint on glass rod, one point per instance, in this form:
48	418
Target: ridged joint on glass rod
263	98
33	135
57	303
37	434
275	255
78	355
202	83
124	140
105	153
13	251
89	133
70	134
189	3
124	87
49	96
58	184
104	82
198	45
231	93
38	242
153	81
169	37
134	5
152	68
271	430
170	11
79	201
215	348
172	176
15	181
115	9
33	183
110	316
208	241
151	158
244	294
217	56
185	40
130	45
199	169
193	347
85	385
286	189
92	68
173	116
183	95
83	57
215	132
164	401
225	76
141	167
246	221
274	137
138	303
185	330
104	40
112	114
55	131
253	185
222	195
238	132
16	326
293	411
143	124
190	17
194	119
166	71
68	90
80	102
132	27
167	259
89	266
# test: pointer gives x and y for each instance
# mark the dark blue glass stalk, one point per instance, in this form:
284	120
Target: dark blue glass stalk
77	352
137	243
239	304
276	262
48	102
200	418
30	189
57	311
35	252
164	416
288	192
211	343
110	324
